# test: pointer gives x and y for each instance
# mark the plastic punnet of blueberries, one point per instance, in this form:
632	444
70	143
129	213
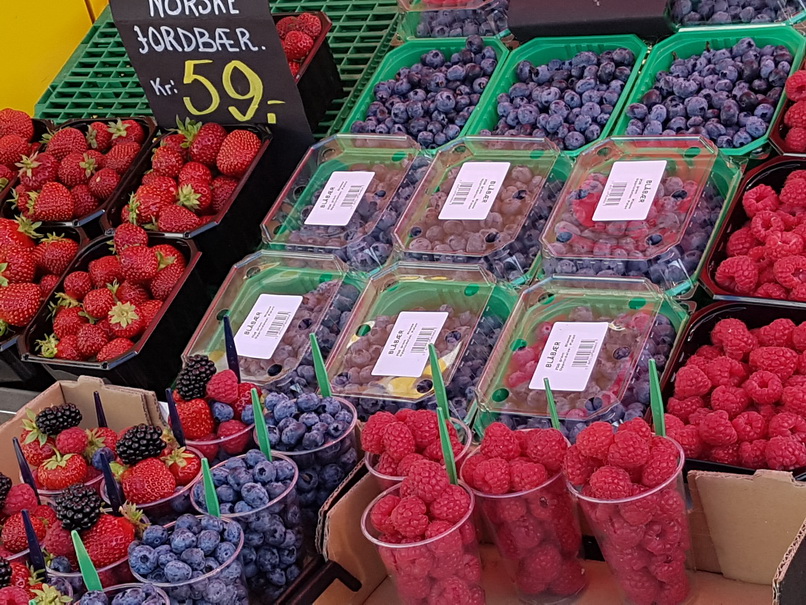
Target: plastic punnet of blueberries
486	20
729	12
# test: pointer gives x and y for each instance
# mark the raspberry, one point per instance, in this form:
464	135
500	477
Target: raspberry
725	454
526	475
708	352
777	334
749	426
544	563
426	480
636	425
577	467
72	441
689	439
450	590
379	516
752	453
546	447
413	587
409	518
786	424
423	425
775	291
398	441
508	510
798	293
696	417
764	223
500	442
492	476
799	337
785	453
570	580
725	371
734	337
764	388
661	466
794	191
733	400
672	423
405	464
716	429
439	527
740	242
691	382
798	380
737	274
683	408
594	441
610	483
451	505
20	496
641	587
790	271
468	469
223	387
628	451
796	86
780	245
387	465
372	433
795	140
779	360
761	197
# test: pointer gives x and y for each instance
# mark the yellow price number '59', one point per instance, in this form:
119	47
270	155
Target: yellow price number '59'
255	92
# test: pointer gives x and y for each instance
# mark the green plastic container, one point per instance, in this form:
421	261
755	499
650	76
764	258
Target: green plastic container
693	42
407	55
539	52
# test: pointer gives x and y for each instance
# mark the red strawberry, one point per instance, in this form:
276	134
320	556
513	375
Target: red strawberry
196	418
223	387
6	176
163	284
47	284
150	202
196	196
127	131
297	45
20	232
114	348
68	321
175	141
78	167
125	321
99	136
138	264
310	24
233	445
18	304
129	234
167	162
17	265
60	471
37	169
51	347
121	156
98	302
132	293
148	481
65	141
103	183
177	219
206	142
84	201
72	441
77	284
108	540
238	151
169	255
91	339
185	466
222	189
53	203
294	68
12	149
195	171
101	437
285	25
13	534
105	270
14	595
54	253
165	184
148	310
14	121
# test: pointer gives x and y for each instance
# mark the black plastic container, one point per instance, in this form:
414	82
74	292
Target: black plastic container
232	233
41	127
156	357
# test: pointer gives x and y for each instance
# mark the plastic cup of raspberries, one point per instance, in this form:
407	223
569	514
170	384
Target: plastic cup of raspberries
393	442
195	560
424	532
261	495
630	486
319	435
126	594
522	497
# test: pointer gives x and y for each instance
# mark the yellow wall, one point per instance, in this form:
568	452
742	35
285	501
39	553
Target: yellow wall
38	38
97	6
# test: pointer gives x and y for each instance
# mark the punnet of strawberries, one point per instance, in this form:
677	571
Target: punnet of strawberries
298	35
75	171
30	267
192	176
766	257
17	133
104	308
795	113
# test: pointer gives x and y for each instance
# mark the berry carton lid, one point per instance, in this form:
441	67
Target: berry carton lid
585	335
340	192
441	5
274	301
382	352
477	197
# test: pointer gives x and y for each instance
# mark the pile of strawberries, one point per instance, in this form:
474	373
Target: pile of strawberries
795	114
535	529
767	256
401	439
76	172
30	267
16	142
103	310
192	176
298	35
741	400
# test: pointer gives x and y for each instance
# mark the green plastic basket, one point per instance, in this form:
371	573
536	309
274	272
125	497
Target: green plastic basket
408	54
539	52
693	42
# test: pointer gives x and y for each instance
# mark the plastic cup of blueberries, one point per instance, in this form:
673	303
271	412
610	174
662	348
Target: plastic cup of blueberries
386	481
111	575
641	207
380	361
423	571
257	533
275	300
592	339
485	200
113	591
346	197
531	528
191	592
649	527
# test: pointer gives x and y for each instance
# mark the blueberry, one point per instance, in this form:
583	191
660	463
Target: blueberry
181	540
209	539
194	557
177	572
143	560
292	435
155	535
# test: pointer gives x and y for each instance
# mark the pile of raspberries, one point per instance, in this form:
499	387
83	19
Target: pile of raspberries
742	399
767	256
795	114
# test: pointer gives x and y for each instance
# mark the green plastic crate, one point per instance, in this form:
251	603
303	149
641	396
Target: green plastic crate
408	54
693	42
539	52
98	79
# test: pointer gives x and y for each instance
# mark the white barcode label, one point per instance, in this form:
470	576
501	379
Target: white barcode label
474	191
406	350
630	191
339	198
570	355
265	325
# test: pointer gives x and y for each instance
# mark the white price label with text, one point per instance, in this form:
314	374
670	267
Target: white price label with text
265	325
570	355
406	350
474	191
339	198
630	191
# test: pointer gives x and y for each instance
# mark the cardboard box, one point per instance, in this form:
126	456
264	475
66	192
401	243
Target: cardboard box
123	408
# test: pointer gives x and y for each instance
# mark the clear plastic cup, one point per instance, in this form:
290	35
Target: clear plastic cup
113	591
111	575
645	539
537	535
260	537
433	571
219	449
192	591
386	481
47	496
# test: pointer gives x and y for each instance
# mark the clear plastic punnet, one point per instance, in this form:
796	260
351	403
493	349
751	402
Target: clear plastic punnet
453	18
485	200
275	300
641	207
345	198
380	361
592	338
710	13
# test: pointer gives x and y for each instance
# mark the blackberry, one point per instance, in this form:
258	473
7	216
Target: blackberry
140	442
52	421
5	487
5	572
194	376
78	507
